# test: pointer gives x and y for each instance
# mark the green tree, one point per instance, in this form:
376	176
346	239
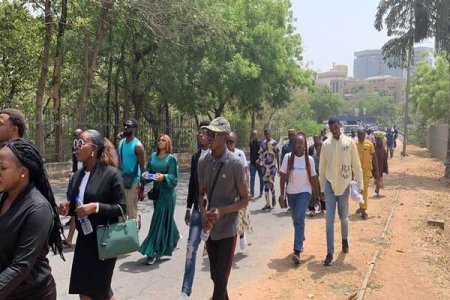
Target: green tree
383	107
430	90
324	103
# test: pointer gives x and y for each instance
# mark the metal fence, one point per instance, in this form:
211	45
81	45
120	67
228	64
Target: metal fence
181	129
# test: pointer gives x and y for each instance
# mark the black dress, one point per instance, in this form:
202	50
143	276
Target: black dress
91	276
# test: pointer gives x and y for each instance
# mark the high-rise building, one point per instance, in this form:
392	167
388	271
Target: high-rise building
370	63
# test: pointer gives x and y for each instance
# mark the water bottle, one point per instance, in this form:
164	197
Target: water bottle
86	225
204	235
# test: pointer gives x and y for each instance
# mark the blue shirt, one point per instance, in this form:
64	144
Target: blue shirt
390	139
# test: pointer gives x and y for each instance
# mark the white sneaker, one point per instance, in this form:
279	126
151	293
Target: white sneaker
184	296
243	242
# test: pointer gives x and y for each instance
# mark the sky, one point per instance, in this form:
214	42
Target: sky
333	30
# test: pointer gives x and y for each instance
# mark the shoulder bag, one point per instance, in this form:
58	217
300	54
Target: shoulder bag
118	238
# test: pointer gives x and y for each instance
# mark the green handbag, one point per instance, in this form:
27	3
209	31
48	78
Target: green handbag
118	238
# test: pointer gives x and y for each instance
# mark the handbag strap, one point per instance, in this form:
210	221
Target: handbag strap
214	184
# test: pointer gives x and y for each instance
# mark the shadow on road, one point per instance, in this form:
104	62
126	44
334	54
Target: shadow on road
318	270
139	266
285	264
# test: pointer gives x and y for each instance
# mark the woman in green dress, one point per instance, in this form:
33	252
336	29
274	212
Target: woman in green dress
163	235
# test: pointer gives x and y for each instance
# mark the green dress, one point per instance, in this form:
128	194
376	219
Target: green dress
163	234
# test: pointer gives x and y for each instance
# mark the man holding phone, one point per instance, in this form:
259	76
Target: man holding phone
222	193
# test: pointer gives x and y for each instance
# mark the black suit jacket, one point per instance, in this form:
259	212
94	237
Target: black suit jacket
192	198
105	186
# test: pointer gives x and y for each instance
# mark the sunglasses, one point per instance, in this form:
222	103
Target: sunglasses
212	135
127	125
79	143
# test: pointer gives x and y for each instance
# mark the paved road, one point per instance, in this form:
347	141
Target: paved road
135	280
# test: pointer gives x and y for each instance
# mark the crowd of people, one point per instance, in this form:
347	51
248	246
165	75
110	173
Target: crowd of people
108	181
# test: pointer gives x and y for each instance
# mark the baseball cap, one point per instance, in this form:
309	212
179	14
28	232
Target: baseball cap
219	125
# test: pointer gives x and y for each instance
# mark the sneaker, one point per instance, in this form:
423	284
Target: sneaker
345	246
364	215
184	296
311	213
151	260
252	196
358	211
267	206
296	258
328	260
243	242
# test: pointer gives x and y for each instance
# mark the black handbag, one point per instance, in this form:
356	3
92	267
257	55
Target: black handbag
153	194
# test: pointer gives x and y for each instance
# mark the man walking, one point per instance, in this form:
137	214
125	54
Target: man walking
287	147
132	162
12	124
192	216
338	160
223	192
369	164
255	166
270	162
390	142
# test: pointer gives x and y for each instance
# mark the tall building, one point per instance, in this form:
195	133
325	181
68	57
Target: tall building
370	63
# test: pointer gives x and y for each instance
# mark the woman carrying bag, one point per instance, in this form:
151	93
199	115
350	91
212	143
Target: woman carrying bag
301	178
95	193
163	234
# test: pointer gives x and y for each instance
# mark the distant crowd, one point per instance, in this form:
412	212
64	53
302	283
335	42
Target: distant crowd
108	181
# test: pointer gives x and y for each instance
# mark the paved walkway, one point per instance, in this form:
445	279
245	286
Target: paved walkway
135	280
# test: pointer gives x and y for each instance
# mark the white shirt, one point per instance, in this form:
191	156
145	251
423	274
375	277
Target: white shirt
204	152
83	185
298	178
239	153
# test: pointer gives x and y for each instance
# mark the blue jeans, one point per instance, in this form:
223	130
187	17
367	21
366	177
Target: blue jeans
253	169
195	228
342	204
299	204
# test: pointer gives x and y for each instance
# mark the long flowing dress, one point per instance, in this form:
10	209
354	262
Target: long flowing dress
163	234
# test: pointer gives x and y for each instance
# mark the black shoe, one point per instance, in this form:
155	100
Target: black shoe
364	215
274	202
328	260
358	211
267	206
345	246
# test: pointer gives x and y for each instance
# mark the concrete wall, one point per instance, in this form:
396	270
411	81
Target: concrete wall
437	141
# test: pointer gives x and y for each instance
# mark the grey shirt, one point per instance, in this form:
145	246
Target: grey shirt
225	191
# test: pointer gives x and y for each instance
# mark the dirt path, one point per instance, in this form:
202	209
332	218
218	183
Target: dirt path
415	258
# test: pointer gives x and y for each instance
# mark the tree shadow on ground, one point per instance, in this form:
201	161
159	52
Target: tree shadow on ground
285	264
318	270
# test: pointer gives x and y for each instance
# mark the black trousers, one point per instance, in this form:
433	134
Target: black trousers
220	253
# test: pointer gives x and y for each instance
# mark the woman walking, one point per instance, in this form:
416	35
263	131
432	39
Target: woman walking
163	234
29	224
96	192
298	170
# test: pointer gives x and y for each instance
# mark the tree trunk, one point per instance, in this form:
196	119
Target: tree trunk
58	147
43	77
253	115
166	109
108	90
447	164
91	67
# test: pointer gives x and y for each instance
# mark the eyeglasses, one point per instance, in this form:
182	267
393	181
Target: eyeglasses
212	135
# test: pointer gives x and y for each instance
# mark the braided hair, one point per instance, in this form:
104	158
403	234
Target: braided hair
292	157
29	156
